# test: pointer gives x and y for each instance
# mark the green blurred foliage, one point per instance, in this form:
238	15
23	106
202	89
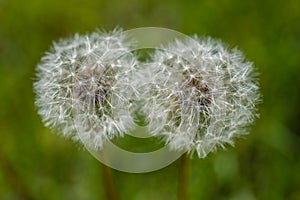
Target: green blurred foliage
36	164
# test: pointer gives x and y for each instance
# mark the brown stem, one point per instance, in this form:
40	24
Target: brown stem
14	179
109	184
183	178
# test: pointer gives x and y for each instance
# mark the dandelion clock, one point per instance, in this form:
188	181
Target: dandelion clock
83	87
200	95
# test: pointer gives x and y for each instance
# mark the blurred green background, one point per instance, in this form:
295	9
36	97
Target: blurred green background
37	164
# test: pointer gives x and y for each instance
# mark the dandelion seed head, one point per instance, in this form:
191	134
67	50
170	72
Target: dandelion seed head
83	87
199	95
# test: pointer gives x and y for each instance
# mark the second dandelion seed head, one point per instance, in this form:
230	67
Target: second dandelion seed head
201	95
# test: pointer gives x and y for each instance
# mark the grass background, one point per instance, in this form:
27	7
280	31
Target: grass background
36	164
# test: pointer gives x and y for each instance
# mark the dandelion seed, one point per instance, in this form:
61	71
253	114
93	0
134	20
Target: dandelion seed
83	87
199	95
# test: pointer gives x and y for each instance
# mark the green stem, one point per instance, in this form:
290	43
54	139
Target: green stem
109	184
183	178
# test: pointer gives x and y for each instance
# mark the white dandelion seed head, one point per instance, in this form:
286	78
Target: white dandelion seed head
199	95
83	86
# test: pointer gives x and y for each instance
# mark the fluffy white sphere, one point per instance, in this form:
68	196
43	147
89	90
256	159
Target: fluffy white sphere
199	95
83	86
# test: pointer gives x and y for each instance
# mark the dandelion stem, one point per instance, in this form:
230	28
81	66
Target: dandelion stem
109	184
183	178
